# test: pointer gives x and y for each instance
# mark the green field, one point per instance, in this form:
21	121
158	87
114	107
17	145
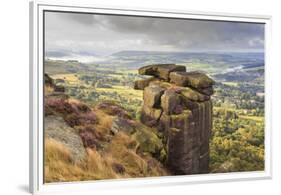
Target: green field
237	142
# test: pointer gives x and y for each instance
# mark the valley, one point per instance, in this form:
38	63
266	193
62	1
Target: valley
237	141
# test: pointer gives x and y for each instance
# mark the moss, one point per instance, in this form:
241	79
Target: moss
148	140
193	95
163	155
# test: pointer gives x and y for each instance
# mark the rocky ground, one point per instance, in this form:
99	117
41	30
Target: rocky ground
103	142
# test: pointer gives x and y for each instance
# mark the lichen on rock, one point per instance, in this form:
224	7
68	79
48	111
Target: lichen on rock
56	128
161	71
178	104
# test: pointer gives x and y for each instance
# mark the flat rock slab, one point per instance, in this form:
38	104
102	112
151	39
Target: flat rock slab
194	95
161	70
207	91
191	79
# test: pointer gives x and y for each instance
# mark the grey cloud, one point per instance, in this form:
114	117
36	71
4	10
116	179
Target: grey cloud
110	33
178	31
56	54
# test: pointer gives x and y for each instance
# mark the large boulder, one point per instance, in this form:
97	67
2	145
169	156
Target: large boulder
56	128
48	80
191	79
161	70
152	95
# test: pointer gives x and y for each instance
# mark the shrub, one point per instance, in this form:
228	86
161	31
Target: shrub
112	108
73	112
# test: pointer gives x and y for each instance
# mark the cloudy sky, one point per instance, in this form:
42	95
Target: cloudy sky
95	35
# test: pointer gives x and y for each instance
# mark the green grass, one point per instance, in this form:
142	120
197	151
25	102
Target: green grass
254	118
232	84
125	91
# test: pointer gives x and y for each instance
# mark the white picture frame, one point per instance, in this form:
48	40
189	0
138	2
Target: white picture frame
36	98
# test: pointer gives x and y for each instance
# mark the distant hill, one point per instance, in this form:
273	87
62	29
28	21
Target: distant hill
136	52
208	62
61	66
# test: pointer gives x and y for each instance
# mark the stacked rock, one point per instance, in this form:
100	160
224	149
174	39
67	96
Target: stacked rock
178	104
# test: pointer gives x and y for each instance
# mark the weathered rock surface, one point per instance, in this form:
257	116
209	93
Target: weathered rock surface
180	107
194	95
121	124
56	128
152	95
48	80
150	116
170	102
191	79
59	88
141	84
161	70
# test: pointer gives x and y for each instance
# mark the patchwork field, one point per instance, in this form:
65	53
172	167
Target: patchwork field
237	142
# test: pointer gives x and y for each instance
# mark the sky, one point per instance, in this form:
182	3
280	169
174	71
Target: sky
77	34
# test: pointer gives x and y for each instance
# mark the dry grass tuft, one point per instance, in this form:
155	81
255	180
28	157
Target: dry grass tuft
119	161
109	156
59	166
58	163
123	150
100	165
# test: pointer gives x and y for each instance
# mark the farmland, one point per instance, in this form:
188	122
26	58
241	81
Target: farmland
237	142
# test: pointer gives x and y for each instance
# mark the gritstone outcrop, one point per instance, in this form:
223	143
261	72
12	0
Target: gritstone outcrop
178	104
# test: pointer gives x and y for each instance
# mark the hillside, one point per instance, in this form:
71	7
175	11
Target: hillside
236	140
101	142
